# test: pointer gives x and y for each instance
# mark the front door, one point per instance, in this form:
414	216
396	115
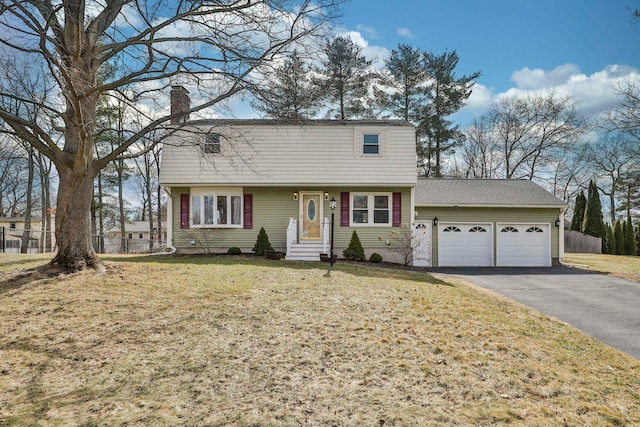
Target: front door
422	244
310	216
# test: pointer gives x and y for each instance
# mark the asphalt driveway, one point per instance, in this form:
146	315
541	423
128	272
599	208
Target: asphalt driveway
604	307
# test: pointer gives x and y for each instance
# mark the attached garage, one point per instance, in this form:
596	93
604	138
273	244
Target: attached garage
469	245
491	222
523	245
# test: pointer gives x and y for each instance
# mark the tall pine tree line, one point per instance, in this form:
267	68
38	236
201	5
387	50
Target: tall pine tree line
414	85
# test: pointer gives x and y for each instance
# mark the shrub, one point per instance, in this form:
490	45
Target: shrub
262	244
234	251
375	257
355	251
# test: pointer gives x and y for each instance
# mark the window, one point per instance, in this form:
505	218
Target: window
371	209
534	230
130	235
370	144
452	229
212	143
140	235
477	230
216	210
12	226
509	230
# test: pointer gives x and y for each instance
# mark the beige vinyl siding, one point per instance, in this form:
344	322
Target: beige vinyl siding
263	155
272	208
492	216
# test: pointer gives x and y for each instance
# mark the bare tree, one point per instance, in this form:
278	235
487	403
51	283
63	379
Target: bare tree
527	128
480	155
612	159
12	179
625	116
216	47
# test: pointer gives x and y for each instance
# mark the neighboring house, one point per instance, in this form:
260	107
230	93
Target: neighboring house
226	179
13	230
137	238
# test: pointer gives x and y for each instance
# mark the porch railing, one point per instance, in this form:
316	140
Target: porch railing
292	234
325	236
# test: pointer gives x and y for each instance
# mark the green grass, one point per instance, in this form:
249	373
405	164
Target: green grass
248	342
618	265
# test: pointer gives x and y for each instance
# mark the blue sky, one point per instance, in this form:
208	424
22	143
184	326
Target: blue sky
579	48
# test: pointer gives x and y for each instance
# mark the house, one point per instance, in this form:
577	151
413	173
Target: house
137	238
13	228
225	179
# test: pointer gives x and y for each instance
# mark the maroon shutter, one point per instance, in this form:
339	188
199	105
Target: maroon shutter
344	209
397	209
248	211
184	211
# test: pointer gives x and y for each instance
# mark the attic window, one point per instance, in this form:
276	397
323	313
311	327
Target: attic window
12	225
212	144
370	144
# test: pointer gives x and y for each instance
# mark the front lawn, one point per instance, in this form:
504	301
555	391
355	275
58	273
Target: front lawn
246	342
627	267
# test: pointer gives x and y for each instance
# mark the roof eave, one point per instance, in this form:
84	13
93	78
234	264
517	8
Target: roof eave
465	205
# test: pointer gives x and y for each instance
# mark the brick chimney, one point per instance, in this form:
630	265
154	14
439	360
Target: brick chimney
180	102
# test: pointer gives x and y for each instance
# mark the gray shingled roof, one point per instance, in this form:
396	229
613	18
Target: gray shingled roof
483	192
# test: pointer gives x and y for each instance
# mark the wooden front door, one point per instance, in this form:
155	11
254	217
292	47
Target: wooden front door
311	216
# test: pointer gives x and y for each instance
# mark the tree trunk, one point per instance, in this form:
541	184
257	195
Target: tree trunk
100	213
73	225
120	169
26	233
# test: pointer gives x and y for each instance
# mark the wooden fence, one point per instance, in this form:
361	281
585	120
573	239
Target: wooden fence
577	242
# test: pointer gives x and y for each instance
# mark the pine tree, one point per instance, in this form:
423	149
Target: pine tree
578	212
345	77
593	224
404	80
289	93
609	242
262	244
354	251
638	239
629	238
618	235
446	94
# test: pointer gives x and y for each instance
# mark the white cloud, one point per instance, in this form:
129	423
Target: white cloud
405	32
593	94
528	79
375	53
369	31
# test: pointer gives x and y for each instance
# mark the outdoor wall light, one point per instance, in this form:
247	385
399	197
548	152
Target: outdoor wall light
557	223
295	195
326	195
435	220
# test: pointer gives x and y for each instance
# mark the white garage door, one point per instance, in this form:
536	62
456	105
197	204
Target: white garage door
465	245
523	245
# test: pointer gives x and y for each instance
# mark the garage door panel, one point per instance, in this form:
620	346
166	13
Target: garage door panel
523	245
464	244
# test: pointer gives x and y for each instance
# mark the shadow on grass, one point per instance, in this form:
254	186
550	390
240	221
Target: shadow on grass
393	271
17	280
